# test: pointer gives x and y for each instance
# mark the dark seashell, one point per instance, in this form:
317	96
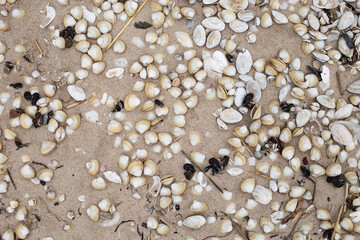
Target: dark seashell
142	25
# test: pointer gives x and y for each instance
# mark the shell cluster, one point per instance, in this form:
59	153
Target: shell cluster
289	128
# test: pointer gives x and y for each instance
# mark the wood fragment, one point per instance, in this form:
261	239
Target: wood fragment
38	47
237	226
247	148
11	179
346	195
49	211
259	174
75	104
297	210
293	229
337	222
212	181
338	81
216	236
127	24
122	222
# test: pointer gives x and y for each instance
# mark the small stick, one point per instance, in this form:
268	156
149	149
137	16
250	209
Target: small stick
214	236
297	210
127	24
49	211
337	222
237	226
273	233
75	104
346	195
188	157
292	230
39	163
259	174
122	222
38	47
247	148
11	179
338	82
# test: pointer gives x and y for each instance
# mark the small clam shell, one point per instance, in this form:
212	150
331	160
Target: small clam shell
244	62
213	39
93	213
45	174
213	23
22	230
199	36
198	207
47	147
27	172
99	183
302	117
184	39
194	222
333	170
231	115
262	195
131	102
234	5
93	167
238	26
178	188
248	185
354	87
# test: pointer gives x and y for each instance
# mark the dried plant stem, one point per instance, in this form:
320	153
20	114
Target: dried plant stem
49	211
339	82
259	174
38	47
75	104
214	236
346	195
293	229
247	148
337	222
188	157
236	226
11	179
127	24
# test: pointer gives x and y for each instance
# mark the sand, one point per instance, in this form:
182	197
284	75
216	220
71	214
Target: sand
91	141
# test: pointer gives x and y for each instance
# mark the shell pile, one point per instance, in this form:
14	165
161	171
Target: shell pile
291	122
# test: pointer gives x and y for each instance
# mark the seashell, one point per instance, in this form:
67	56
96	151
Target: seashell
345	132
93	167
198	207
230	115
213	23
47	147
194	222
178	188
50	15
323	214
98	67
184	39
329	4
262	195
135	168
234	5
163	229
246	15
254	88
99	183
304	143
279	18
266	20
238	26
248	185
213	39
297	192
333	170
131	102
22	230
302	117
354	87
188	12
244	62
288	152
45	174
27	171
4	27
199	36
316	170
112	176
195	138
326	101
226	226
267	225
25	121
152	222
346	20
93	213
259	64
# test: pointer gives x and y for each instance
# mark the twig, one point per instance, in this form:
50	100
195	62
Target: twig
38	47
297	210
214	236
39	163
237	226
127	24
75	104
339	82
247	148
346	195
292	230
259	174
49	211
188	157
11	179
337	222
122	222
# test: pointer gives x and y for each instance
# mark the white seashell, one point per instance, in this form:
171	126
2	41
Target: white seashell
354	87
254	88
279	18
262	195
199	36
50	15
231	115
112	176
303	117
234	5
238	26
115	72
184	39
213	39
244	62
345	132
194	222
346	20
213	23
76	93
89	16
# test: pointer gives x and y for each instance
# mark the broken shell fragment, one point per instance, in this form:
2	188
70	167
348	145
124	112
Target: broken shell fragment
194	222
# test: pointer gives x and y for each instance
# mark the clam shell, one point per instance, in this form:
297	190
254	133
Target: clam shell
342	134
327	4
303	117
231	115
346	20
244	62
238	26
234	5
213	23
354	87
50	15
279	18
254	88
326	101
262	195
194	222
184	39
213	39
199	36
